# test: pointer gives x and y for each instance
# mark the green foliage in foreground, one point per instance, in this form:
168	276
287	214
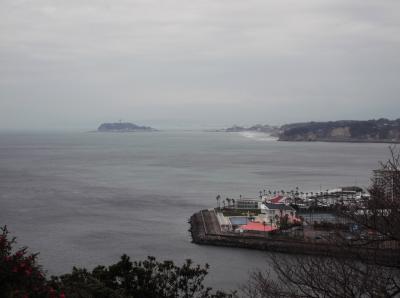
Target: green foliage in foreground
22	277
145	279
20	274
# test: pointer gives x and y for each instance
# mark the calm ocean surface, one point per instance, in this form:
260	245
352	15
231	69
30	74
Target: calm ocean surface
86	198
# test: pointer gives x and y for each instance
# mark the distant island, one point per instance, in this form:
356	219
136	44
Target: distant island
123	127
374	131
381	131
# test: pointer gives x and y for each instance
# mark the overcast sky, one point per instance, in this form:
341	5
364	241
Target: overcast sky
168	63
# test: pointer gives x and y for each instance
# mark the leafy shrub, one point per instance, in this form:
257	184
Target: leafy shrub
22	277
20	274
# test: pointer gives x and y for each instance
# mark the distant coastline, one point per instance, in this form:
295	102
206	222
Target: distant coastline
268	129
348	131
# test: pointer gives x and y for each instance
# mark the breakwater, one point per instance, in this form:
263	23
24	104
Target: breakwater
204	229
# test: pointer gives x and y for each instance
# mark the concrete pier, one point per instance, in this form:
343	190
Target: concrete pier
205	230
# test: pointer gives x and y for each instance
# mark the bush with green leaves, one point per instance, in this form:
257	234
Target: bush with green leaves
20	274
146	279
22	277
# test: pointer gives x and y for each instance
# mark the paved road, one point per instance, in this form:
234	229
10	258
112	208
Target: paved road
211	222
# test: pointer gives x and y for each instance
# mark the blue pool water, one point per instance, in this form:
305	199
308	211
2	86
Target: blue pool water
238	220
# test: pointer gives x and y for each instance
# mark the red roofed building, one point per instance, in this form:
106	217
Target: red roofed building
257	226
276	200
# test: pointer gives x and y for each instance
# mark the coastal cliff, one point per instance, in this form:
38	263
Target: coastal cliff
382	130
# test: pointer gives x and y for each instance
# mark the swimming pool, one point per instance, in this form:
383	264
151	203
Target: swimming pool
238	220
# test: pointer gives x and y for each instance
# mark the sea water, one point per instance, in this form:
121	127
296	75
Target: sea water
83	199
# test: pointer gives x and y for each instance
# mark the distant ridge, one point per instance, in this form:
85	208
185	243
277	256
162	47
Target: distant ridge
368	131
123	127
379	131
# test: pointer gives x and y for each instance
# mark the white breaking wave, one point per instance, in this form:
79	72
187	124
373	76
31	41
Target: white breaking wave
258	136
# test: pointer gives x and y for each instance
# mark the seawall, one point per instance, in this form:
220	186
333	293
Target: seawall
204	231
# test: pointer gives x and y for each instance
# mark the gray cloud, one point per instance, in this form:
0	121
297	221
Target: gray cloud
76	63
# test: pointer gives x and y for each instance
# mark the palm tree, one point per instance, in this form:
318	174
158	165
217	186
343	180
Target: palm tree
229	202
264	224
260	193
218	198
277	219
233	203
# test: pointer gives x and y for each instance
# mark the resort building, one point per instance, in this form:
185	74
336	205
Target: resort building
271	213
254	215
248	203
